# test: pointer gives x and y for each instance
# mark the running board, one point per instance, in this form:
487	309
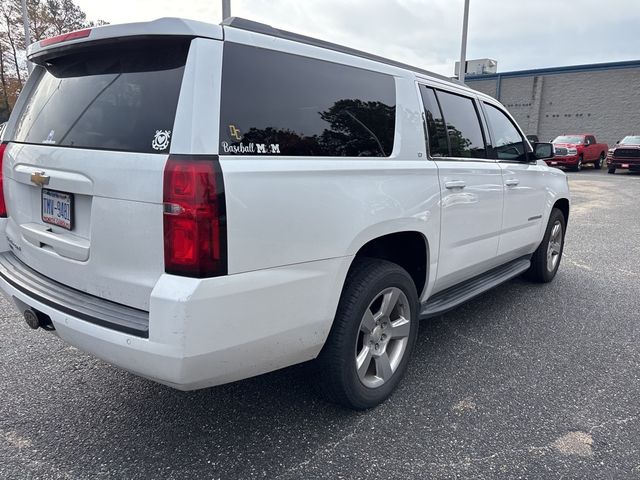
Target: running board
450	298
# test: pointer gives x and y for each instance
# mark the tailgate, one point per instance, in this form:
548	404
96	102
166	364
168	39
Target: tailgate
84	167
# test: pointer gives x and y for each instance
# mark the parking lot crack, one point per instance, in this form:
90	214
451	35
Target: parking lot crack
615	421
327	450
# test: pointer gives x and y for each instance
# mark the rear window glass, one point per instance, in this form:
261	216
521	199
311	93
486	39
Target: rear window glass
463	124
436	129
121	98
275	103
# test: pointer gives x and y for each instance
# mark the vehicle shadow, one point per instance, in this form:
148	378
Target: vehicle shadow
109	421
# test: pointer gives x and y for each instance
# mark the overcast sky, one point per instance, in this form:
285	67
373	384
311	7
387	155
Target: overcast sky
519	34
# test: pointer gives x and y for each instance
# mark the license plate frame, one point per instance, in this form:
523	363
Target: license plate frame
52	216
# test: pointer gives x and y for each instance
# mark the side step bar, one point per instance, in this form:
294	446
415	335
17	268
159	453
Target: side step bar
450	298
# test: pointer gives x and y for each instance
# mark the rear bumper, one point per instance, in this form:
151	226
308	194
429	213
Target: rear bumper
209	332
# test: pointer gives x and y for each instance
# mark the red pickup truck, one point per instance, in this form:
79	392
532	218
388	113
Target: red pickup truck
626	154
574	151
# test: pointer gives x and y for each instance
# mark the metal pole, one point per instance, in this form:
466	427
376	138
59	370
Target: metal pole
226	9
463	50
27	35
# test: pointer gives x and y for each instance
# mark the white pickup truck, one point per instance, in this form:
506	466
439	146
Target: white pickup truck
202	203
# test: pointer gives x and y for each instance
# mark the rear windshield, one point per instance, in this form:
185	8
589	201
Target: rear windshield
118	98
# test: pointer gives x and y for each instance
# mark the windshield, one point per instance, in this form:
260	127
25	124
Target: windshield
119	98
631	140
568	139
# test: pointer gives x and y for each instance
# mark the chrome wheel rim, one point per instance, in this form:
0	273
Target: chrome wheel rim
382	337
554	249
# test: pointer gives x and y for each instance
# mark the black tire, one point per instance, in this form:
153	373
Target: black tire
611	170
578	166
336	376
600	162
539	271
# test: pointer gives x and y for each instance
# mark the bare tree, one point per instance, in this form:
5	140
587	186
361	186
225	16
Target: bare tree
47	18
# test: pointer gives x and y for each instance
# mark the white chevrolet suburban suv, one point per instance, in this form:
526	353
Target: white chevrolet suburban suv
199	203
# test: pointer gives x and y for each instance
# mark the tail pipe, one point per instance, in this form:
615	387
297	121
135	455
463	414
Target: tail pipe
36	319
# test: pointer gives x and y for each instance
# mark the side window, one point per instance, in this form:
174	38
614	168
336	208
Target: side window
275	103
509	144
463	125
436	129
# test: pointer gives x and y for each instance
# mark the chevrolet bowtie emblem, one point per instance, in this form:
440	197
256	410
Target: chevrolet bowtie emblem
39	178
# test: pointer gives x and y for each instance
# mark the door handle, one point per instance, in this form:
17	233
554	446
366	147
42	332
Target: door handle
512	182
455	184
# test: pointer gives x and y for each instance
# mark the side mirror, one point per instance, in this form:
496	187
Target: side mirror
542	151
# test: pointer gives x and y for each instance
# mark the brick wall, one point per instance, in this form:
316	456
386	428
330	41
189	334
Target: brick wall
603	102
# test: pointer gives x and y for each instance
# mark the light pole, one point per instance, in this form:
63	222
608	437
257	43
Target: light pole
226	9
463	50
27	35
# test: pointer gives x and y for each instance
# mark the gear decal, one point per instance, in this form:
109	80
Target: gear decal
161	140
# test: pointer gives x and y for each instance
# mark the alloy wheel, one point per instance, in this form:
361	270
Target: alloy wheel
382	338
554	248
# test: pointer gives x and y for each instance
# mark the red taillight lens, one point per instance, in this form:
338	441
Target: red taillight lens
65	37
3	204
195	243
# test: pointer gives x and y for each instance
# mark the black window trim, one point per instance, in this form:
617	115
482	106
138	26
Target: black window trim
426	127
530	158
474	99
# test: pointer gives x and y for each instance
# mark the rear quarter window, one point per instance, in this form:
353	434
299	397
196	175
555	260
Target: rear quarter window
123	97
275	103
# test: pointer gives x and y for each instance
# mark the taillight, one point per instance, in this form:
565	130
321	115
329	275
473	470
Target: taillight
65	37
195	236
3	204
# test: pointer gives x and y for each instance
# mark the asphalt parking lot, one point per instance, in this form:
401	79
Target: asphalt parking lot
527	381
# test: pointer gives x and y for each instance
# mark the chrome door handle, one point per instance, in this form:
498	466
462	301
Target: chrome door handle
513	182
455	184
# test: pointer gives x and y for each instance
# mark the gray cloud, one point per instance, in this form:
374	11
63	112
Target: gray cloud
519	34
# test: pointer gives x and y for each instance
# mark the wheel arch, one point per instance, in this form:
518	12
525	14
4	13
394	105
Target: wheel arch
409	249
563	205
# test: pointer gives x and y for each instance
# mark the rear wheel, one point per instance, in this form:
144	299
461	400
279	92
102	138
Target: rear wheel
546	259
612	170
600	162
372	337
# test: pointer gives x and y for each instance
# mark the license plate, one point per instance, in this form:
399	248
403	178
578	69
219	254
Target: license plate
57	208
625	165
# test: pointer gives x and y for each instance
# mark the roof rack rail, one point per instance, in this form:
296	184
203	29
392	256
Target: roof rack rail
257	27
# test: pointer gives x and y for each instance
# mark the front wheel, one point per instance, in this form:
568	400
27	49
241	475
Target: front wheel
546	259
600	162
578	166
372	337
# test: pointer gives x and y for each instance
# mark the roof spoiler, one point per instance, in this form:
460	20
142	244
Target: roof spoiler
38	52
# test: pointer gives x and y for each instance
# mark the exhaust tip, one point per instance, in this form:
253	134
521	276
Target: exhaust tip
32	319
